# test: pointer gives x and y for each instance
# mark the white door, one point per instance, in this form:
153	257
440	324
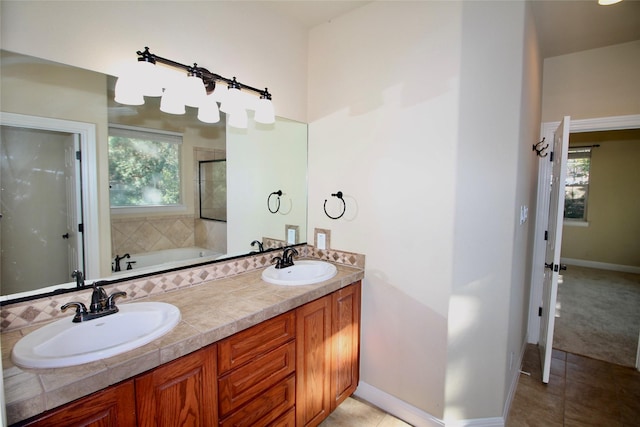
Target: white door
73	235
554	241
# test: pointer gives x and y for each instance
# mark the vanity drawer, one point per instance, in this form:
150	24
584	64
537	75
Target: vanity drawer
267	407
248	344
251	380
286	420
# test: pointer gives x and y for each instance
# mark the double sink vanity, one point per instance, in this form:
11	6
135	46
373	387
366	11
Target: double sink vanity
265	347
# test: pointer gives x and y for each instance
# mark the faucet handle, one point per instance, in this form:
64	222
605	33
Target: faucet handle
278	261
80	310
111	301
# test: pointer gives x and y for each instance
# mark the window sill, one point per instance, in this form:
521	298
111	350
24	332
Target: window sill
130	210
570	223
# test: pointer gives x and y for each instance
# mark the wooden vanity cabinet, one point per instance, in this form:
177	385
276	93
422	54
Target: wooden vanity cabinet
113	406
328	354
292	370
179	393
345	342
256	382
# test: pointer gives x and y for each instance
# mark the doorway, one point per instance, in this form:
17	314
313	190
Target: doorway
84	135
547	129
596	313
40	240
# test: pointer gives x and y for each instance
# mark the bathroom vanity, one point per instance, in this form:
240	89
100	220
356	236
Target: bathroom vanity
290	361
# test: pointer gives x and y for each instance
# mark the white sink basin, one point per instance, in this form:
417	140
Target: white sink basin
64	343
304	272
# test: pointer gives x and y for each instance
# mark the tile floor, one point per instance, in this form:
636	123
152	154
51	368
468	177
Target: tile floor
581	392
355	413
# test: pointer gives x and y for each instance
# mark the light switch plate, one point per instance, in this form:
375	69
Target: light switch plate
322	238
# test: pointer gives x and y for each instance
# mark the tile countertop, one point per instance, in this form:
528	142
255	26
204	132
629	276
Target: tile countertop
210	312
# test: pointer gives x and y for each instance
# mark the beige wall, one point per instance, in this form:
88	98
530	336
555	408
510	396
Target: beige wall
613	212
69	93
385	135
244	39
591	84
428	134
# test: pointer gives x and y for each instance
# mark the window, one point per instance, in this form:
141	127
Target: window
144	168
576	191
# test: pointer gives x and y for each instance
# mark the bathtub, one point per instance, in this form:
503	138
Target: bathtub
170	258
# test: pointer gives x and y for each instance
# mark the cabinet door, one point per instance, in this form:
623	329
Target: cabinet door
112	407
345	342
179	393
313	360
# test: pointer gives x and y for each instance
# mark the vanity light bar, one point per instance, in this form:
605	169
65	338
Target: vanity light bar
208	78
176	94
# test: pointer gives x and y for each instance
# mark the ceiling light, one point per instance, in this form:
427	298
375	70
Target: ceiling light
608	2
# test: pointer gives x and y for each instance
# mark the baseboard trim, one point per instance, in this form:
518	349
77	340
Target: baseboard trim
514	383
396	407
601	265
417	417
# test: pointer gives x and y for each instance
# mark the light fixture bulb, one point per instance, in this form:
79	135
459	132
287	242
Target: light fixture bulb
128	92
208	111
264	109
232	100
608	2
149	78
172	101
238	119
194	91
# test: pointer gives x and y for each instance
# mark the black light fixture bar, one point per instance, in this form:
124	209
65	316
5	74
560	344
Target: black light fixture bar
208	78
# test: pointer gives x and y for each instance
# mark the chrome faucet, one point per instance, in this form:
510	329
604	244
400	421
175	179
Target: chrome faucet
117	260
101	304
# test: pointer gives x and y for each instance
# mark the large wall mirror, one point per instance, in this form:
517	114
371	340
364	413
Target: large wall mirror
38	166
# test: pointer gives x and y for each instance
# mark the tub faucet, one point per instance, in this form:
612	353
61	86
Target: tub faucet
117	260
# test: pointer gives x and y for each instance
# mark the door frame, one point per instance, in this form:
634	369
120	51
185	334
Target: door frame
542	208
87	135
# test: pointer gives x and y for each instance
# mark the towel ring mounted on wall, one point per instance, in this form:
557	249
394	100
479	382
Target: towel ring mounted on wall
275	193
344	205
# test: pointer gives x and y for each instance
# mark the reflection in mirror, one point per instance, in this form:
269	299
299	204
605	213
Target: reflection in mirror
212	183
258	159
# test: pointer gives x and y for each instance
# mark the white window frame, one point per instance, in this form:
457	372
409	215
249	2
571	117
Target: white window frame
156	135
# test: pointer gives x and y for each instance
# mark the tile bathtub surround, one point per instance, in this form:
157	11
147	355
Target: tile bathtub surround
209	314
20	315
148	234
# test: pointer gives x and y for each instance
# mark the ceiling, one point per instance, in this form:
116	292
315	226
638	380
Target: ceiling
564	26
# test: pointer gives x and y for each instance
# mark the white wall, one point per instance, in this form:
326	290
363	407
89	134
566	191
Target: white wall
594	83
241	39
494	178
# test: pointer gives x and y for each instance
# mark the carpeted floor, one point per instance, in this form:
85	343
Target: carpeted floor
598	314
